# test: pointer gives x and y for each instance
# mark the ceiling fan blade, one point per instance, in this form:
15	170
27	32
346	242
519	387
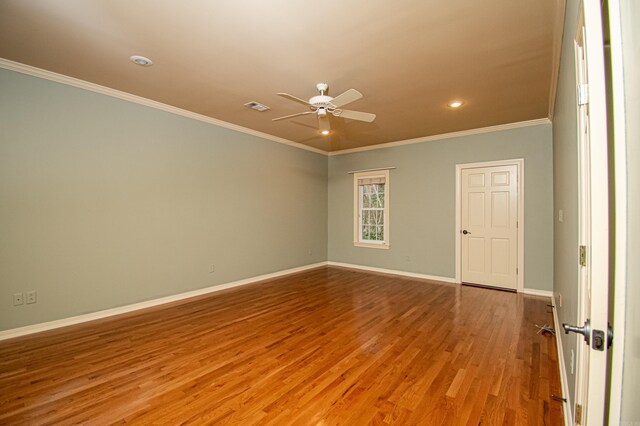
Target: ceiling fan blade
294	99
324	125
346	98
292	115
354	115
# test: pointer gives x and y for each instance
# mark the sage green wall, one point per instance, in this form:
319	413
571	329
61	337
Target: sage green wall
565	190
105	203
422	201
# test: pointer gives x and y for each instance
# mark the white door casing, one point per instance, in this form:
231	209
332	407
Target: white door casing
488	237
593	286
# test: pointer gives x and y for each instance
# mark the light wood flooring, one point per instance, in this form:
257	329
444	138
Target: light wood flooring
323	347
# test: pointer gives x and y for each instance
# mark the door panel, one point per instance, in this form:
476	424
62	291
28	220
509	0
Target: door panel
593	205
489	215
500	256
476	209
476	255
500	217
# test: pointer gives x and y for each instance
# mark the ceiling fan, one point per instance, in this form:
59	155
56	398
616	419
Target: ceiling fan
322	105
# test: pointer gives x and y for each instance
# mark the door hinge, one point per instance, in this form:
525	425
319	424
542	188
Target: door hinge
516	271
578	416
583	94
583	255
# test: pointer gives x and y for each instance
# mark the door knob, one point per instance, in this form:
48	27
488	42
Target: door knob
465	232
584	330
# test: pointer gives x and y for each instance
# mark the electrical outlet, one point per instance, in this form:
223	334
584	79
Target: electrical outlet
18	299
309	252
32	297
212	268
560	215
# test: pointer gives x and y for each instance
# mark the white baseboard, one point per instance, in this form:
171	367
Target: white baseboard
536	292
36	328
566	408
393	272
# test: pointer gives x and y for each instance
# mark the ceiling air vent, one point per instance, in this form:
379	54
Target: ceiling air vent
257	106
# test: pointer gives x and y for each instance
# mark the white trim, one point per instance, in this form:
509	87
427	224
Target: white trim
536	292
357	229
564	382
392	272
371	170
519	163
75	82
593	212
461	133
70	81
381	246
36	328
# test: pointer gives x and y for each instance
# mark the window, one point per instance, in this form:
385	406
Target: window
371	209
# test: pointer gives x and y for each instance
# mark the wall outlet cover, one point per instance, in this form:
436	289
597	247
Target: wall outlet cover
32	297
18	299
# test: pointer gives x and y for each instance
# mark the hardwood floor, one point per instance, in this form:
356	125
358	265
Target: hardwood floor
327	346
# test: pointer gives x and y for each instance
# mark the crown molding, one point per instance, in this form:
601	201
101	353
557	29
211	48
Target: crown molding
469	132
75	82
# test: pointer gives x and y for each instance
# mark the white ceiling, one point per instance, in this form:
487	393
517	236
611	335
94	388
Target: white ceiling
409	58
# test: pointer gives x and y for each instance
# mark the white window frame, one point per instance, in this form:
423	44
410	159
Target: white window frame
357	240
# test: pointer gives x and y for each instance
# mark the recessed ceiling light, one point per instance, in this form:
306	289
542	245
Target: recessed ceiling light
456	104
325	132
141	60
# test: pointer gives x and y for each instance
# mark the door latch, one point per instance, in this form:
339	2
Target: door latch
599	339
596	337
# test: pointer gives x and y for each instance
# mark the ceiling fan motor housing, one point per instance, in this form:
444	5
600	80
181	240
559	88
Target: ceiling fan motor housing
320	101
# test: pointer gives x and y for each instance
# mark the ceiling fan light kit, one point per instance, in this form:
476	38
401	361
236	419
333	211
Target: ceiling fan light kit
325	106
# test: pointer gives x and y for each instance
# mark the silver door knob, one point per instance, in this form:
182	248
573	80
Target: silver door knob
584	330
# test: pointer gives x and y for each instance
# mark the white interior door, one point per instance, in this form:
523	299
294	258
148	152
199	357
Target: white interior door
593	215
489	222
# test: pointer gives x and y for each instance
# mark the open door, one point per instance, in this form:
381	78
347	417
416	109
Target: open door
592	323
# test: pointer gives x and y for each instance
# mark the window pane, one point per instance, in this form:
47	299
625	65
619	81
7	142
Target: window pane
365	232
379	233
366	199
379	217
375	200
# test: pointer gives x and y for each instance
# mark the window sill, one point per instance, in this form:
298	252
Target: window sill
384	246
